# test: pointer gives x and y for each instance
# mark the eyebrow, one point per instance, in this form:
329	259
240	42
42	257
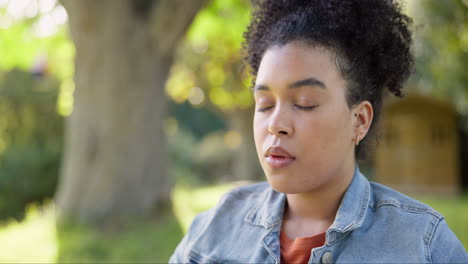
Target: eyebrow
313	82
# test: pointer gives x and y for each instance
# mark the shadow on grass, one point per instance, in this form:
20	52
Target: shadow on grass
131	241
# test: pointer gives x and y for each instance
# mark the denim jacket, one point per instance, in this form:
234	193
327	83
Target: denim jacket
374	224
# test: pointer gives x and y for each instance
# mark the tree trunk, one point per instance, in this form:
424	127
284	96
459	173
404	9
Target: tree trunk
245	164
115	153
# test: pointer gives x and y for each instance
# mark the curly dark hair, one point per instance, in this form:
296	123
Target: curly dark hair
370	38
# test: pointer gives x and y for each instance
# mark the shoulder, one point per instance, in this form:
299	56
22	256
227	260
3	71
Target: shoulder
233	204
412	220
238	200
402	212
384	197
215	231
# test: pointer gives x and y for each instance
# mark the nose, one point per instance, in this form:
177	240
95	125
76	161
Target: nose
280	123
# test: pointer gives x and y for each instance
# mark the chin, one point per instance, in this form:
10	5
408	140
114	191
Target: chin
286	187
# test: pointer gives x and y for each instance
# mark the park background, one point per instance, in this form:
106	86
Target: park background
122	119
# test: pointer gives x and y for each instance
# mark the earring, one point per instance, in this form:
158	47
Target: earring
357	135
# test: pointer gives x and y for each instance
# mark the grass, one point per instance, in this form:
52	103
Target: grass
188	202
32	240
140	242
455	211
37	240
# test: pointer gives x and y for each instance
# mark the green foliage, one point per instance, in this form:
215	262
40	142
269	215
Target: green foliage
181	145
211	23
21	47
17	46
31	139
31	131
198	162
208	73
200	121
442	49
211	58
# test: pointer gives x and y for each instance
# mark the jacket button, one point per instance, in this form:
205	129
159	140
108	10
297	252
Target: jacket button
327	258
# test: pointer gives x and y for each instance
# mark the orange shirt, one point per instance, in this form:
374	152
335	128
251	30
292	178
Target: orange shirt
298	250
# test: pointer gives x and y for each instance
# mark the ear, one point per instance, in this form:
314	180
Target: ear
363	114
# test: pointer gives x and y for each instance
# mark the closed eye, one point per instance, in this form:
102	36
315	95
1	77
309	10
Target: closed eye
306	108
264	109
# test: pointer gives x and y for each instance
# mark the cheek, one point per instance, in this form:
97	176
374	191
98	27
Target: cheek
326	132
339	132
316	136
259	131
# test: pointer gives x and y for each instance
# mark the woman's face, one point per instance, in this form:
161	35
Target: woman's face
304	130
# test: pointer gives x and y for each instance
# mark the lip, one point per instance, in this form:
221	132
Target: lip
277	157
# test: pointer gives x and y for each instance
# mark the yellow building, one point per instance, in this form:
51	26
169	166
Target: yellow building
419	146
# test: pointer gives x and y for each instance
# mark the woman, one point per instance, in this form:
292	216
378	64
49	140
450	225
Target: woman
321	69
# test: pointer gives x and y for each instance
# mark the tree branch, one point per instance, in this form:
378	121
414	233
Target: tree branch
170	19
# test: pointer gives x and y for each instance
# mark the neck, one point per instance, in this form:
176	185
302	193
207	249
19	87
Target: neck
312	213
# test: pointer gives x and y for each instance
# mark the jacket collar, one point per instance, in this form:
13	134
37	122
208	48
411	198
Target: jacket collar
269	209
353	207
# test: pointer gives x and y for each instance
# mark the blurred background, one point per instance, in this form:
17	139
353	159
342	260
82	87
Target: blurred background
122	119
